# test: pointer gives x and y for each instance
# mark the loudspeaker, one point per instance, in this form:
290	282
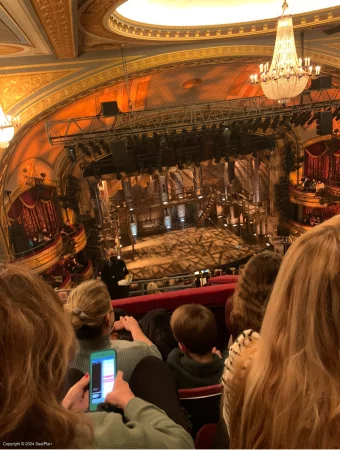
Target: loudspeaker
110	109
324	82
123	157
325	123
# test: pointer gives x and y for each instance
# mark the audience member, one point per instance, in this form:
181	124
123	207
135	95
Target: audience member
195	363
93	320
281	390
246	308
116	276
36	342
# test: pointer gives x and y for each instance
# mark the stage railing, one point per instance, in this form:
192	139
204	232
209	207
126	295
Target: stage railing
305	198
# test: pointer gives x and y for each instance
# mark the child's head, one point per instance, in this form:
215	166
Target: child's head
194	327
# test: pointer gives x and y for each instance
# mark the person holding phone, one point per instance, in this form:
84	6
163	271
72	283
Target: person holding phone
93	320
36	343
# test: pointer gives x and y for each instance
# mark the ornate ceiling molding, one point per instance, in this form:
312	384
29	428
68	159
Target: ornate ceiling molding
56	18
140	67
100	18
16	87
128	28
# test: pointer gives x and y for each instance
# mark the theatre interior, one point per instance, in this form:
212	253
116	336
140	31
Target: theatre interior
169	224
185	137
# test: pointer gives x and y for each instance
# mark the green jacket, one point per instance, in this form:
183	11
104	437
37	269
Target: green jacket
147	427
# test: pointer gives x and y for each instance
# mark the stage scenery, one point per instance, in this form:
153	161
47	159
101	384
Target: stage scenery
159	162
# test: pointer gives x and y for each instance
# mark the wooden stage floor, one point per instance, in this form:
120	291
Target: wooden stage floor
188	250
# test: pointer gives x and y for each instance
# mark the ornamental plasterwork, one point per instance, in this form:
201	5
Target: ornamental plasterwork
14	88
94	17
56	18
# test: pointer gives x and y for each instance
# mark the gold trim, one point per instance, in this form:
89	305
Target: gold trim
39	262
316	139
123	26
56	19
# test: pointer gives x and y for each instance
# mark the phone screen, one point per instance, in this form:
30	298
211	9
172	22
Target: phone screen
103	372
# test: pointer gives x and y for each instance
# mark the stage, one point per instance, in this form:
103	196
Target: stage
182	251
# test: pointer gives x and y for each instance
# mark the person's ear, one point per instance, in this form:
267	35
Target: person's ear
182	347
107	319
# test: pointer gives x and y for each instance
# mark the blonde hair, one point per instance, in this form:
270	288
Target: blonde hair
253	291
36	343
88	305
290	395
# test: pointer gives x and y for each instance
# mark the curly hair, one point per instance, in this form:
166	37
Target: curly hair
253	291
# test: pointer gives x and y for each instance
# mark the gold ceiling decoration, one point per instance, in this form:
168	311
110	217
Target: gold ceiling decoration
17	87
56	18
137	67
10	49
128	28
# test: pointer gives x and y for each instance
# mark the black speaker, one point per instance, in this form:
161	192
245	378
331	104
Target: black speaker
324	124
324	82
123	157
110	109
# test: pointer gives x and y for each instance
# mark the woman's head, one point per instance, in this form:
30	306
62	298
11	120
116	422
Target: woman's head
292	393
36	344
90	307
253	291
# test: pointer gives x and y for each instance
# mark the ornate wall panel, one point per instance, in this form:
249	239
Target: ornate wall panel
56	18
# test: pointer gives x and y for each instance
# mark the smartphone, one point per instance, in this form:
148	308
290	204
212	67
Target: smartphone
103	370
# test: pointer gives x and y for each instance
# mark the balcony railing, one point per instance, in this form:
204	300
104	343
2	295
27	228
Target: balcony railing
305	198
42	260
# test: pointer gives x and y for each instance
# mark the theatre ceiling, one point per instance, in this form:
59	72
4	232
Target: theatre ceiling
54	52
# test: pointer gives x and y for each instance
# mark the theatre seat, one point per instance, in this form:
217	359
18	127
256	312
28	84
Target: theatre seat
202	404
223	279
209	296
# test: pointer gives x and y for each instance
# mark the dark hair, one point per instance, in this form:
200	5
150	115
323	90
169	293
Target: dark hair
194	326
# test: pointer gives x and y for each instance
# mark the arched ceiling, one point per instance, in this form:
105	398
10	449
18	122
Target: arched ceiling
56	52
200	13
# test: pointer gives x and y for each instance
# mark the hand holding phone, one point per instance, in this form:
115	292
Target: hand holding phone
77	397
121	393
103	370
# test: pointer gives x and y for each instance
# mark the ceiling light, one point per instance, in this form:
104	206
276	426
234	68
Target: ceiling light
287	75
7	128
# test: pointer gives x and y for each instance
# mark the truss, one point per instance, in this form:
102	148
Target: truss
72	131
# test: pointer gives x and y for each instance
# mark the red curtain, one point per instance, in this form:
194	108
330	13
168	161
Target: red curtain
34	210
324	213
320	164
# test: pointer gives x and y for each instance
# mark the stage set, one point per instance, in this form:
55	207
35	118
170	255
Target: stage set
182	158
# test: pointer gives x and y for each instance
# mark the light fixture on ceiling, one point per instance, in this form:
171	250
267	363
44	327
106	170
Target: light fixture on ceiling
287	75
7	128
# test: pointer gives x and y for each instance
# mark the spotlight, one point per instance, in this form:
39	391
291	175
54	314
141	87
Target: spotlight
305	117
105	147
71	154
313	118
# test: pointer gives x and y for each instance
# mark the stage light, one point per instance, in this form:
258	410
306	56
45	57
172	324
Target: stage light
235	225
254	234
267	244
71	154
121	246
118	257
219	217
165	203
131	209
182	219
200	196
225	225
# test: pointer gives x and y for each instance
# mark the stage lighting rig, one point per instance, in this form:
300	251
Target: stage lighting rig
84	149
105	147
95	148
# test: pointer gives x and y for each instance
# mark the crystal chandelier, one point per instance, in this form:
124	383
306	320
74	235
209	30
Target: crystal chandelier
287	75
7	128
